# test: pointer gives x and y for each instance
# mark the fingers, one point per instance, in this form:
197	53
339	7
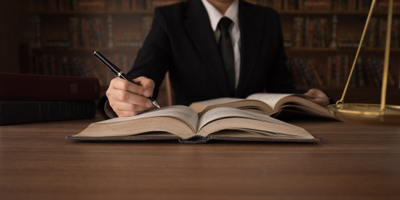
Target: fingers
318	97
321	102
123	109
146	83
128	99
121	84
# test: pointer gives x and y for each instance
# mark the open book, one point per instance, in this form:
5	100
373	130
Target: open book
183	123
265	103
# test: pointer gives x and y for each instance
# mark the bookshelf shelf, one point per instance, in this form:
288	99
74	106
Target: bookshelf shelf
98	12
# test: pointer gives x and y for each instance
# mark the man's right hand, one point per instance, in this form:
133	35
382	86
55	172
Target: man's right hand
128	99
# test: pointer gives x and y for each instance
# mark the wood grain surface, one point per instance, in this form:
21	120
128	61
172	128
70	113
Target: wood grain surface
351	162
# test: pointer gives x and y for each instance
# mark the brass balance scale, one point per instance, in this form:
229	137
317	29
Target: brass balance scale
371	114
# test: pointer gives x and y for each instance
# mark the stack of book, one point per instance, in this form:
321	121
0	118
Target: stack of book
29	98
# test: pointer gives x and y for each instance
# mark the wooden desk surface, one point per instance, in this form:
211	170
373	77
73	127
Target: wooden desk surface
352	162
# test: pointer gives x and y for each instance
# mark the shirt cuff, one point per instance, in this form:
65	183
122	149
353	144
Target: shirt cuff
109	111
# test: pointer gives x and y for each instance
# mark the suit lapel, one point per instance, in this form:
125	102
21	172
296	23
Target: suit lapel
199	29
251	30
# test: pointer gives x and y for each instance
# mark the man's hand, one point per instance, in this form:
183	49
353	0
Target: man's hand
318	97
128	99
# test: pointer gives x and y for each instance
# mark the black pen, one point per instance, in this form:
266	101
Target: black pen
118	72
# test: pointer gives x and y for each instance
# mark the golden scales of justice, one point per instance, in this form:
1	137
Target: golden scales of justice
371	114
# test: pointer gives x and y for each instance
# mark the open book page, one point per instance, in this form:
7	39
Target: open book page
295	101
179	120
202	107
183	113
225	118
271	99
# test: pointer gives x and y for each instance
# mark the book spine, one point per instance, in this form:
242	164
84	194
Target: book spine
32	87
21	112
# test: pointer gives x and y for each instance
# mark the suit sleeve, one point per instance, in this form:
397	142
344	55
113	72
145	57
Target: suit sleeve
154	59
280	80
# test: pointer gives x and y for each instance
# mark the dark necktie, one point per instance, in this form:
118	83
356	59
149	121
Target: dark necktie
226	49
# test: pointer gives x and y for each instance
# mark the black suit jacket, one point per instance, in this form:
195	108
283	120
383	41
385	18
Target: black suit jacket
182	42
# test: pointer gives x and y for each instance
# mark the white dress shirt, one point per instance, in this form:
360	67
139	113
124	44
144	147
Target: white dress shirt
232	14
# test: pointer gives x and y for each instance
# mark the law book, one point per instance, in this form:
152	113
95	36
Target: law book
21	112
35	87
266	103
183	124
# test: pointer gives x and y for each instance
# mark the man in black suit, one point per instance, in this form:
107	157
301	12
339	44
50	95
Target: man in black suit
184	40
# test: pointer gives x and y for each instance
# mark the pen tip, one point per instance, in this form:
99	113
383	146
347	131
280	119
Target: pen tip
156	104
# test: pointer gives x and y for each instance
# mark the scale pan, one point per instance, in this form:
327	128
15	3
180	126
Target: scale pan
369	114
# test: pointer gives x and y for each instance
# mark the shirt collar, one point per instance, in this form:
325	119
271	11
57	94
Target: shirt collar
215	15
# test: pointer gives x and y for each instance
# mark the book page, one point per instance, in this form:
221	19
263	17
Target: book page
297	102
183	113
225	112
218	101
220	119
269	98
202	107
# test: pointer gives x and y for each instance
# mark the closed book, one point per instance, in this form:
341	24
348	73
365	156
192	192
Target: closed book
21	112
35	87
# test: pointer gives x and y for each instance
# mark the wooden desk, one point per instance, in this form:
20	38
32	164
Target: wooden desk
352	162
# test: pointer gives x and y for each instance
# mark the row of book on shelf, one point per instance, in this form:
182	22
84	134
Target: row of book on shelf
306	32
65	65
375	36
95	5
315	32
100	32
85	32
367	73
325	5
310	32
132	5
29	98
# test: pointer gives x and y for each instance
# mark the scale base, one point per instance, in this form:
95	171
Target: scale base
368	114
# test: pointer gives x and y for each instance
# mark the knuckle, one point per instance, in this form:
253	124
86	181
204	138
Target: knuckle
138	90
142	101
109	92
123	85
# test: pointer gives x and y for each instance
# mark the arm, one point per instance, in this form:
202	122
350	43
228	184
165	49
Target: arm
127	99
281	79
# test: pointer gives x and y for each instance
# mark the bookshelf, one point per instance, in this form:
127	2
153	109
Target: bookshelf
61	36
320	40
